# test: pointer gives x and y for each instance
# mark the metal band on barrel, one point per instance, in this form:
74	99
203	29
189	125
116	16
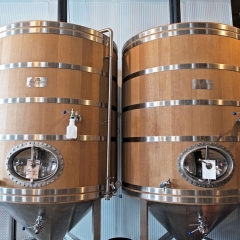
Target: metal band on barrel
18	195
178	26
51	24
182	196
180	192
45	27
42	137
55	100
152	139
184	102
54	65
180	32
183	66
45	192
182	199
49	199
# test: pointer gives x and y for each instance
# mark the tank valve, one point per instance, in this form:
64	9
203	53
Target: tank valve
71	128
113	186
74	115
235	113
165	184
202	227
38	226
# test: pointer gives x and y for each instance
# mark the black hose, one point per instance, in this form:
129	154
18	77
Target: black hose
175	11
62	10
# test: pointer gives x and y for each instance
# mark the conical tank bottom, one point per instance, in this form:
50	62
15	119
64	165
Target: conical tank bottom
178	218
59	218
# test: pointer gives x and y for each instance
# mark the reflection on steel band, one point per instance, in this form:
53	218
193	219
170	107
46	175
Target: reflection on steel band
183	102
177	26
45	30
55	100
50	27
54	65
41	137
180	192
194	159
46	192
183	139
183	199
181	32
215	66
34	164
52	24
50	199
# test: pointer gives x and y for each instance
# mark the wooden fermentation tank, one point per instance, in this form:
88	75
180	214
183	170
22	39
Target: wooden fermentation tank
180	88
46	68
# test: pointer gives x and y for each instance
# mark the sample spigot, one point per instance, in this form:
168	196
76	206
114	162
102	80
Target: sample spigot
74	115
71	128
165	184
235	113
202	227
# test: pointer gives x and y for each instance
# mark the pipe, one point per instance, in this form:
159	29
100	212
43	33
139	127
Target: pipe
175	11
108	193
62	10
235	13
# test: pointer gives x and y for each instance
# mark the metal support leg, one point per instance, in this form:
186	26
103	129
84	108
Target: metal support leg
166	236
96	219
73	237
143	220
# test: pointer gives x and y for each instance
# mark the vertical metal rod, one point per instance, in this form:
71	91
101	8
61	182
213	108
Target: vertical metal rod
96	219
108	177
207	153
62	10
175	11
235	13
11	228
143	220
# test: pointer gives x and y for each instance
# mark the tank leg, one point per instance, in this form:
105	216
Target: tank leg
96	219
70	235
143	220
166	236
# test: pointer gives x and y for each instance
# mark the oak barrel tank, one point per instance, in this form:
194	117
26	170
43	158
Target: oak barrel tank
47	68
180	137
